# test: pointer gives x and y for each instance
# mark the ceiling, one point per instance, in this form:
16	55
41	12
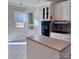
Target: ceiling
29	3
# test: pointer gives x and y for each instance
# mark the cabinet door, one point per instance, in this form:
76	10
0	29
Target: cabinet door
66	10
58	10
62	11
45	13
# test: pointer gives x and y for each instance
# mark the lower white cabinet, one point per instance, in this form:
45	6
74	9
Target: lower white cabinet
39	51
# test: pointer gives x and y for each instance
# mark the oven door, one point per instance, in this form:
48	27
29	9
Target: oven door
45	28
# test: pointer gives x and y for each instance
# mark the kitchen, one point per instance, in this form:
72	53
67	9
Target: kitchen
50	19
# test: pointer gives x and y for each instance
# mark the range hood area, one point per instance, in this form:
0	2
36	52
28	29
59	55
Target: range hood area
61	22
61	26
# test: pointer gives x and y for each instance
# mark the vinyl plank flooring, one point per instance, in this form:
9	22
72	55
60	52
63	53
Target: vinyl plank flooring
17	52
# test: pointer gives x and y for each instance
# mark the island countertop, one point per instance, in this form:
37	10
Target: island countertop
53	43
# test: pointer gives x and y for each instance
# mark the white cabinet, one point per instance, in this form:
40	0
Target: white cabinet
44	12
54	11
58	10
66	10
36	49
62	11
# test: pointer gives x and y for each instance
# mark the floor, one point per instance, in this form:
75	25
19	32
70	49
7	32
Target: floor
17	46
17	50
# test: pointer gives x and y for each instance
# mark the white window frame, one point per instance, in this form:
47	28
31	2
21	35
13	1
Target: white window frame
15	19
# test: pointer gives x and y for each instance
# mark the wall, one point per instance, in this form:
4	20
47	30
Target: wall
13	33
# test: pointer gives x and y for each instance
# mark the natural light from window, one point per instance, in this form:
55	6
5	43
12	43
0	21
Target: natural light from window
20	18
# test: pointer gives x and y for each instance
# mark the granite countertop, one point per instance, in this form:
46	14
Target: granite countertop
65	37
56	44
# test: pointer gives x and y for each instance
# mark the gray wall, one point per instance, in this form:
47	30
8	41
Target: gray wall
13	33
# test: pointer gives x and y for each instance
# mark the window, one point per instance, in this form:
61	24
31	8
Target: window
20	18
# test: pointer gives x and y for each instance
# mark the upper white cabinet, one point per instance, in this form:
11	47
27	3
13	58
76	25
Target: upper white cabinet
44	12
62	11
58	10
54	11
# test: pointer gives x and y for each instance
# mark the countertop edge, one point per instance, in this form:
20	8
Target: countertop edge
47	45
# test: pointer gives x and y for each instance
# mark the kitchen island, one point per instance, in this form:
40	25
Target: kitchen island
42	47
